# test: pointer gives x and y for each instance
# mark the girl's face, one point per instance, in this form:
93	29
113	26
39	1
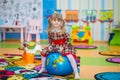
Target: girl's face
56	23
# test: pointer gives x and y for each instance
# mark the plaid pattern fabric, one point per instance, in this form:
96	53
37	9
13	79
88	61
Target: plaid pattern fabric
68	48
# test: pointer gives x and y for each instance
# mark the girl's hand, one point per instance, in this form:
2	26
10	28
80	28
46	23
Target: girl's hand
50	48
60	49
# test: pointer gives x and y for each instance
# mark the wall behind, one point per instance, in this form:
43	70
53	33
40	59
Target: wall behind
119	10
10	10
98	30
22	11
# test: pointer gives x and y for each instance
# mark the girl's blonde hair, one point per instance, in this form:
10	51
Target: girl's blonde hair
57	16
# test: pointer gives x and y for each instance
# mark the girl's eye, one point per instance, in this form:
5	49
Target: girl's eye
59	19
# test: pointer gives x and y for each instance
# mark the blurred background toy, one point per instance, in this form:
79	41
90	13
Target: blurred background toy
30	49
81	35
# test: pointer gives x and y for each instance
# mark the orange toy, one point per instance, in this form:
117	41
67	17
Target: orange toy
30	49
28	57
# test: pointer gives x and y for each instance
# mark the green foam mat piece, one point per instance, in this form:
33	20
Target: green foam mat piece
3	45
103	48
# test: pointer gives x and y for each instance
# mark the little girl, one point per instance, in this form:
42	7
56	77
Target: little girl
59	40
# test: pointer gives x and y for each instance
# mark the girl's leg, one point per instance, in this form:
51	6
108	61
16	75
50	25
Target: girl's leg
74	65
43	57
43	64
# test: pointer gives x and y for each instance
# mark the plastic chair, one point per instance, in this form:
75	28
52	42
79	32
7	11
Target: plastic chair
0	35
1	23
34	28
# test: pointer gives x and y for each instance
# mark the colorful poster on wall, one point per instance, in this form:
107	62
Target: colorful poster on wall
89	15
106	16
12	11
72	15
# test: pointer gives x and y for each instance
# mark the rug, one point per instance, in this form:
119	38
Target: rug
12	68
114	59
110	53
108	76
12	56
85	47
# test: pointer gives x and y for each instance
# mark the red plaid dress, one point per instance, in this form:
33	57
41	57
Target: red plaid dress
57	40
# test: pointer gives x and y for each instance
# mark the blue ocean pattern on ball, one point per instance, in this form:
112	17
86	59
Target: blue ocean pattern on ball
57	64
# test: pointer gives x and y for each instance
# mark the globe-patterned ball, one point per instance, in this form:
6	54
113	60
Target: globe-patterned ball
56	64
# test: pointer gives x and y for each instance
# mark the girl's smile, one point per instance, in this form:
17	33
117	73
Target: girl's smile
56	23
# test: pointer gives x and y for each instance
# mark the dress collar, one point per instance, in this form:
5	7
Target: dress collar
55	30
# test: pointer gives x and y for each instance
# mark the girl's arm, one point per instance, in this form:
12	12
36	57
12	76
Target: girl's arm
49	39
67	42
51	46
67	39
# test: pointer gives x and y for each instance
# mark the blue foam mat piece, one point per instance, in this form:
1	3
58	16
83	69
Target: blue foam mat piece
108	76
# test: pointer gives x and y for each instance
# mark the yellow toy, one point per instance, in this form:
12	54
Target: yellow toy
81	35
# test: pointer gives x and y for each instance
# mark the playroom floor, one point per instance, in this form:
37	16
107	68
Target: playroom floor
91	61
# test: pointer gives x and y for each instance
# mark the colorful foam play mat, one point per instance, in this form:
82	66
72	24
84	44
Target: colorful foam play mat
108	76
114	59
85	47
110	53
12	67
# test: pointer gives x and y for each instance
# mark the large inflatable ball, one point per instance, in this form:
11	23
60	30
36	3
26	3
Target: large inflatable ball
56	64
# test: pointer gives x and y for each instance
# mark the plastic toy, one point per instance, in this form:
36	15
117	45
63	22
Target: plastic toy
57	64
78	34
30	49
84	35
